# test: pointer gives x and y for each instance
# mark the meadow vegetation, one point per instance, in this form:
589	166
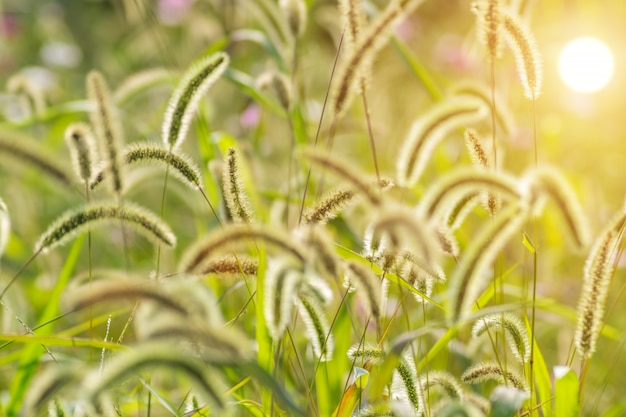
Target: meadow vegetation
302	208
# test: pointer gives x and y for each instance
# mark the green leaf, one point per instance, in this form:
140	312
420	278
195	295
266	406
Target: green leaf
565	392
541	377
247	85
528	243
32	353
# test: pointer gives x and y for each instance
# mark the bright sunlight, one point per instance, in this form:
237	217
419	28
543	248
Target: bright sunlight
586	65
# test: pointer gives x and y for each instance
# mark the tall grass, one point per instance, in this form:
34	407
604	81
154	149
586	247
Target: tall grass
394	294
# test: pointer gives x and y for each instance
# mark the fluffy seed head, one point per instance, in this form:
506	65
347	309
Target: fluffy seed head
491	371
430	129
279	85
317	328
350	73
523	45
82	146
469	279
489	22
598	273
552	183
295	11
444	381
282	285
234	194
185	99
106	123
68	225
28	151
353	18
367	284
514	331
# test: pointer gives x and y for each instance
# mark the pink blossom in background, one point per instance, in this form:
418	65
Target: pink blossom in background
251	116
450	52
173	12
8	26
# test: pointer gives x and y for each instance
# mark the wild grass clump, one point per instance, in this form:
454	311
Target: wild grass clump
441	280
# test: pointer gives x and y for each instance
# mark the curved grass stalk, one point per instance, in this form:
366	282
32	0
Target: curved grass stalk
514	330
27	150
463	182
598	273
234	194
427	131
109	134
185	99
75	222
194	258
181	166
491	371
468	279
551	182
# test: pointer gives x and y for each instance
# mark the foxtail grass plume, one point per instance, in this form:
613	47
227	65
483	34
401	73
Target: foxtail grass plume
447	241
200	253
234	194
551	182
132	363
514	332
335	201
5	226
469	279
295	11
279	85
598	273
320	247
491	371
483	94
108	129
229	265
403	229
353	19
82	146
115	289
405	386
427	131
180	165
480	160
489	23
14	146
48	384
75	222
372	40
317	328
361	354
22	85
331	204
282	285
523	45
459	210
367	285
462	183
344	171
185	99
443	381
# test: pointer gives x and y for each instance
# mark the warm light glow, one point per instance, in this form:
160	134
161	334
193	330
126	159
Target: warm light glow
586	65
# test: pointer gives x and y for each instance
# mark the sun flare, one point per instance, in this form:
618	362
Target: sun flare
586	65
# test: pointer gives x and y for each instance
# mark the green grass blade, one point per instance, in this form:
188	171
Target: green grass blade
247	85
565	392
542	395
32	353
